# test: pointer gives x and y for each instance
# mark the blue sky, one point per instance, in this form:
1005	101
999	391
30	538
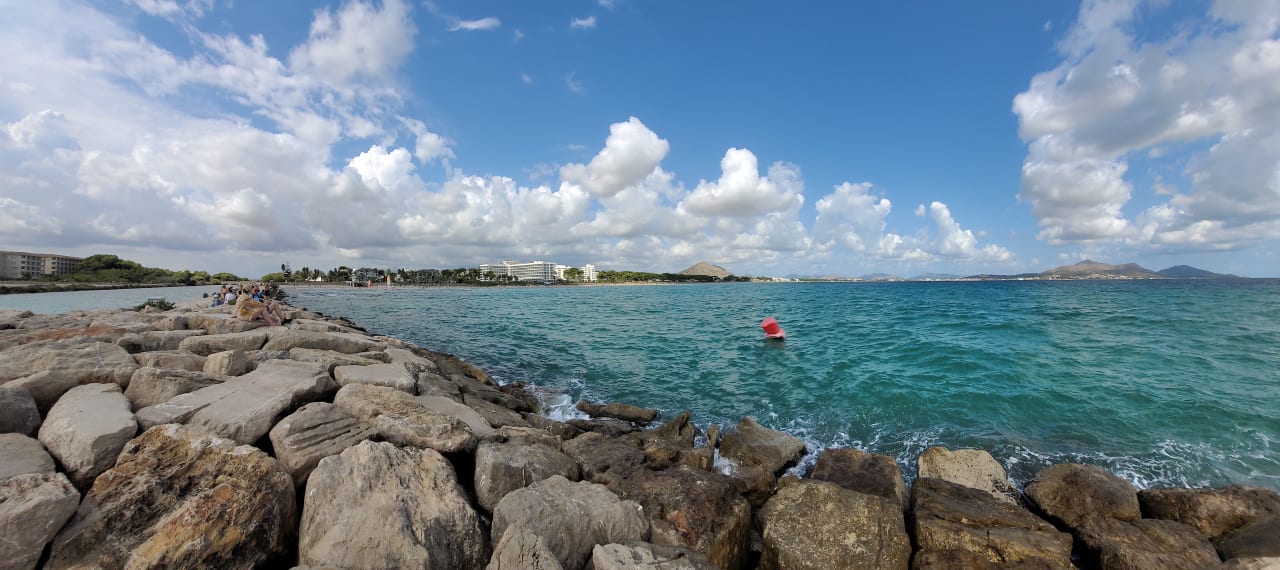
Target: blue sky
830	138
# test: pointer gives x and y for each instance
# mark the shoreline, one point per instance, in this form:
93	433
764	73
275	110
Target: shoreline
342	403
23	287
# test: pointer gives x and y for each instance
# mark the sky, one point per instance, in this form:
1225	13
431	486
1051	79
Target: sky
820	138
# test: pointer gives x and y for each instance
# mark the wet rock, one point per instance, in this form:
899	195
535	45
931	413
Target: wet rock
557	428
496	415
18	411
678	430
86	430
347	525
973	468
82	363
227	363
389	375
151	386
245	409
948	517
695	509
604	459
1146	543
752	445
522	549
609	427
314	432
1214	512
209	344
32	509
400	419
815	524
346	343
330	359
154	340
21	455
450	366
174	359
504	467
618	410
439	404
1259	539
571	518
854	470
1074	494
645	556
179	497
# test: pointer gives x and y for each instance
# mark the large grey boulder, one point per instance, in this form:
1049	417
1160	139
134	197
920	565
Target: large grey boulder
389	375
504	467
46	386
412	362
397	417
494	414
86	430
1145	543
948	518
215	323
20	455
150	341
1214	512
694	509
379	506
173	359
32	509
18	411
974	468
1256	541
522	549
450	407
646	556
209	344
331	359
85	363
181	498
815	524
315	325
862	472
757	455
347	343
618	410
151	386
314	432
246	408
604	459
1073	494
232	362
571	517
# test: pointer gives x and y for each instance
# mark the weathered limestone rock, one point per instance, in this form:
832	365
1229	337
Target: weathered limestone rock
406	511
313	325
815	524
18	411
150	341
346	343
646	556
606	426
969	467
330	359
389	375
448	407
512	398
151	386
314	432
20	455
246	408
174	359
413	363
618	410
502	468
221	323
522	549
1146	543
496	415
854	470
679	430
85	363
571	517
1074	494
232	362
209	344
557	428
1214	512
32	509
172	322
752	445
951	517
1257	540
524	436
86	430
181	498
603	459
46	386
400	419
695	509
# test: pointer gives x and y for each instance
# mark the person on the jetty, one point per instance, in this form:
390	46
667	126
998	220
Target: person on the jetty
230	297
219	297
257	294
249	309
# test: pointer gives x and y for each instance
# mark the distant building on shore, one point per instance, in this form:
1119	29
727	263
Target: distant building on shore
23	265
536	271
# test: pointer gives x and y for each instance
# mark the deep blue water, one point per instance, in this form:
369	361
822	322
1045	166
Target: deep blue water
1164	383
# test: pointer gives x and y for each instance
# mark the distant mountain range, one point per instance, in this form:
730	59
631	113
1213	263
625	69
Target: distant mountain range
1087	269
704	268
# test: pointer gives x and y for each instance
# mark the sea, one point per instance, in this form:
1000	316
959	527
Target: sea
1165	383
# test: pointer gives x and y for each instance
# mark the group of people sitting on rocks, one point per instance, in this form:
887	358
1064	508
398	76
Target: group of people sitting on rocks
251	304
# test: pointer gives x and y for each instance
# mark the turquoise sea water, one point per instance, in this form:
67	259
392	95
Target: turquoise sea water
1165	383
63	301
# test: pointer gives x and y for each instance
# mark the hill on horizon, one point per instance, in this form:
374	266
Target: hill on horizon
1189	272
704	268
1088	267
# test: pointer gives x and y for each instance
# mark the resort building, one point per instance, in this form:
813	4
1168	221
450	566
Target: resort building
543	271
589	273
23	265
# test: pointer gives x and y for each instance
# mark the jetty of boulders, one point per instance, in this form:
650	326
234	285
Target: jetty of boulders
189	438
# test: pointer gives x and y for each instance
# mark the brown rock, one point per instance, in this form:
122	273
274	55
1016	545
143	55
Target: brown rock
815	524
957	518
854	470
1146	543
604	459
505	467
1214	512
557	428
973	468
606	426
496	415
1074	494
1258	539
692	508
753	445
82	363
617	410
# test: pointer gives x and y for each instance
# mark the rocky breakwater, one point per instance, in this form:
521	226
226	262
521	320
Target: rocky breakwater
190	439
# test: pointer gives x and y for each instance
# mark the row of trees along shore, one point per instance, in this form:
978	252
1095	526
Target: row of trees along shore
472	276
104	268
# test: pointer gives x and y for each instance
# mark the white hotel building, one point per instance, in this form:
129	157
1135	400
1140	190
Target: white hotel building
540	271
22	265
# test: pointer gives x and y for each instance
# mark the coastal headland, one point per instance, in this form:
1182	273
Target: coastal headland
189	438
